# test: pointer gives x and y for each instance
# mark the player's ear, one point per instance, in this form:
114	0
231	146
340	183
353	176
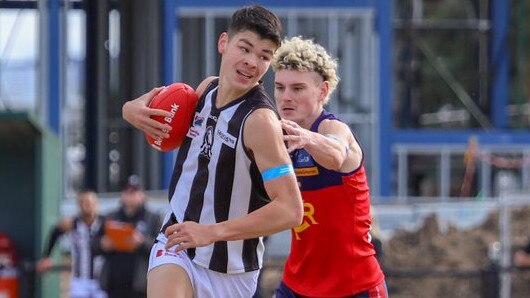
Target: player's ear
324	90
222	42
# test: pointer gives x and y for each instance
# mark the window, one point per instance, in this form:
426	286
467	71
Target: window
453	171
19	59
519	109
73	108
441	64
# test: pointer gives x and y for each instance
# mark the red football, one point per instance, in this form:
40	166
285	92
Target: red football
181	100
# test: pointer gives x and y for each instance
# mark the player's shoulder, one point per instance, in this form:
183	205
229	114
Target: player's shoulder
204	84
262	129
263	117
330	125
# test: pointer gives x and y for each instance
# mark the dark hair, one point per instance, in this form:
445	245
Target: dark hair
133	183
258	19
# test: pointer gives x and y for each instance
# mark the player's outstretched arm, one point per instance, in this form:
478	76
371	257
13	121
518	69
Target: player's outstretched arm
263	136
138	113
333	146
46	262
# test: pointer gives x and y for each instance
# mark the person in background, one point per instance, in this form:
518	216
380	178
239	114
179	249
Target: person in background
82	229
125	245
233	181
331	253
522	256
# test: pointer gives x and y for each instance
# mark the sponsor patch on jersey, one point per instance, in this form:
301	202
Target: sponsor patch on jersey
198	120
195	126
226	138
165	252
170	253
305	172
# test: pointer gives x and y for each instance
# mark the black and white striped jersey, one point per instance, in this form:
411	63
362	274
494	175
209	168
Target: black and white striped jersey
84	263
215	179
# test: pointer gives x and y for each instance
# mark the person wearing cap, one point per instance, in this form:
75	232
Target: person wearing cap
126	243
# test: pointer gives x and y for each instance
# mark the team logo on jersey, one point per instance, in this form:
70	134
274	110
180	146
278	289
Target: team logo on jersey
303	159
309	211
304	164
226	138
207	142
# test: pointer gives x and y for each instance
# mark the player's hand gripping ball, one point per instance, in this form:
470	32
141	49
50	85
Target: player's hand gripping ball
180	100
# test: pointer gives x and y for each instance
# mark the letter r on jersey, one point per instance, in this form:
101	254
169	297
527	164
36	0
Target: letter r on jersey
309	210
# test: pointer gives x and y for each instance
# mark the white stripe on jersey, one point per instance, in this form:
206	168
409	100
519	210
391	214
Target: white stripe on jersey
83	263
235	248
82	244
241	182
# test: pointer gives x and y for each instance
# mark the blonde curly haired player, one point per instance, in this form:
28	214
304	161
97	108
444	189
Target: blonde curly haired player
305	55
328	163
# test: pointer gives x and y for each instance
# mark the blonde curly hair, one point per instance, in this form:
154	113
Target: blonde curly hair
301	54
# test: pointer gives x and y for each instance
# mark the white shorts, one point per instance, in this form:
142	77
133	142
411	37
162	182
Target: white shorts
206	283
85	288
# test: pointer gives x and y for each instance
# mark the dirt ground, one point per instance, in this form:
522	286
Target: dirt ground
454	263
430	263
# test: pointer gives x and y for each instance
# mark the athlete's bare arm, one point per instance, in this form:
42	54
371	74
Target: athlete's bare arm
66	224
46	262
263	136
333	147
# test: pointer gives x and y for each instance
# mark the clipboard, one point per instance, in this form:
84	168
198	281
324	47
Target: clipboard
120	234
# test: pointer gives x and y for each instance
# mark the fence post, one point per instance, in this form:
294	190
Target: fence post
506	252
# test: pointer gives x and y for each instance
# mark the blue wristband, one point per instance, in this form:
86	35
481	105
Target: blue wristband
277	172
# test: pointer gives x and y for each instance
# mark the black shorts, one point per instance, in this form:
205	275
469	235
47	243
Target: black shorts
379	291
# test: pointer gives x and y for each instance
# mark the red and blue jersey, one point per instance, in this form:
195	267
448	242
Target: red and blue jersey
331	254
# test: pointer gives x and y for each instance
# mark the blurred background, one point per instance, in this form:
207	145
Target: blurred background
437	92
